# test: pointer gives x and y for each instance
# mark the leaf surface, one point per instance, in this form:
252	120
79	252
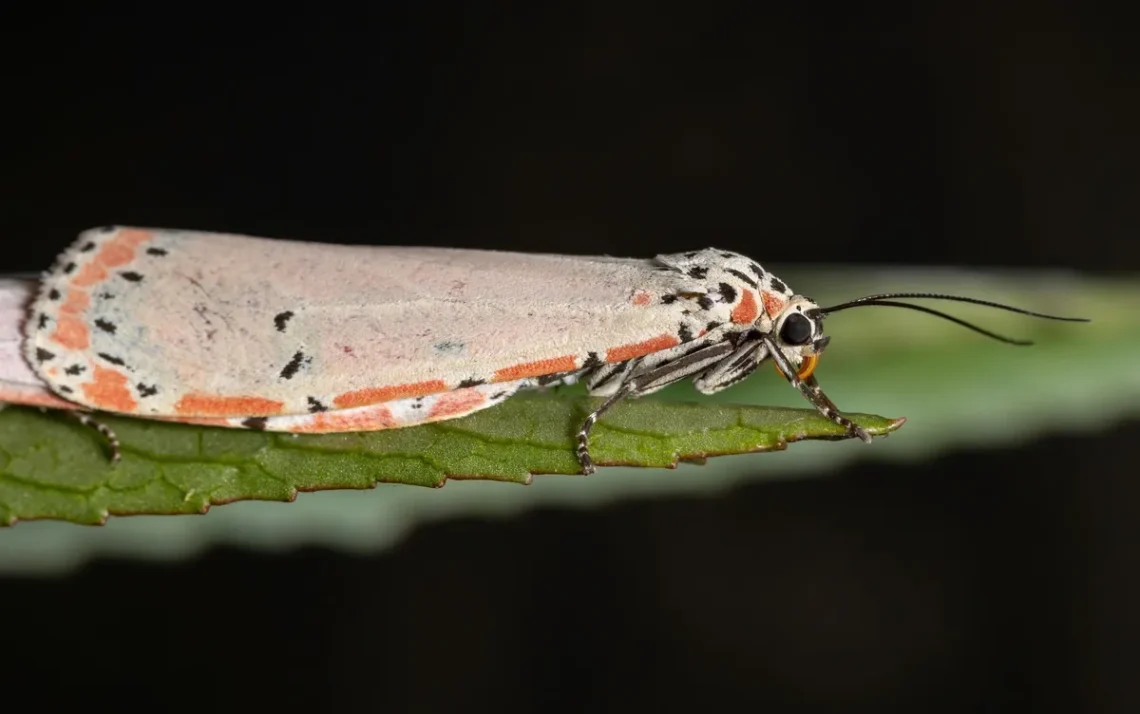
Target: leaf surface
55	468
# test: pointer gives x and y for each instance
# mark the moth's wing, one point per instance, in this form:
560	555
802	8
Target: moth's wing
178	323
18	383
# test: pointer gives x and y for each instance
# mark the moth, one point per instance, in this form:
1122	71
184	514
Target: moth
287	336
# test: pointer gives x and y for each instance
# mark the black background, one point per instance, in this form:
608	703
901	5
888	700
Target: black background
958	133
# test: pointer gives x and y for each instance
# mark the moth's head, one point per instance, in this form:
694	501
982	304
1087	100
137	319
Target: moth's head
797	331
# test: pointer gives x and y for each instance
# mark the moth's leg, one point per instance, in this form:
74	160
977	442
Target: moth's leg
584	432
814	394
607	379
810	388
108	434
648	380
730	370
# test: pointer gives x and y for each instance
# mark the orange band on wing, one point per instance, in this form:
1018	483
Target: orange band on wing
639	349
772	304
457	403
745	311
198	404
108	390
120	250
377	395
542	367
90	274
373	418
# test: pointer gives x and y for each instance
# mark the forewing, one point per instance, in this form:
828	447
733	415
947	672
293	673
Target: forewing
177	323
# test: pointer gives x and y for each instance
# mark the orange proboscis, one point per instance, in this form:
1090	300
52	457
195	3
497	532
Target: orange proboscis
638	349
807	367
378	395
566	363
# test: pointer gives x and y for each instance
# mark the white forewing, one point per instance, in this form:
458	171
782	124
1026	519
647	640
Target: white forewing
232	316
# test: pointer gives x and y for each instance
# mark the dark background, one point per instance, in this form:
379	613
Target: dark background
956	133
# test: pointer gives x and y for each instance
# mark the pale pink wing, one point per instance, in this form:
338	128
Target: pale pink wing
179	323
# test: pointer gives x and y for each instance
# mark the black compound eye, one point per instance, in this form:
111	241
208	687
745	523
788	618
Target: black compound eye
796	330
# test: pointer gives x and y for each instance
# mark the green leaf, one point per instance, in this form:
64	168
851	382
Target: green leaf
55	468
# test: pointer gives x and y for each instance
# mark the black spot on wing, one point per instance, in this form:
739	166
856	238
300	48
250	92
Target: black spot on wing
156	251
727	292
131	276
755	268
705	302
281	318
75	369
698	272
43	355
53	294
669	299
778	285
684	333
112	359
43	321
106	295
146	390
711	326
315	406
105	325
498	395
592	361
449	347
65	389
744	277
294	365
69	268
471	383
257	423
87	247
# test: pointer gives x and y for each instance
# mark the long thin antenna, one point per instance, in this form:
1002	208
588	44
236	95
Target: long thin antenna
886	300
955	298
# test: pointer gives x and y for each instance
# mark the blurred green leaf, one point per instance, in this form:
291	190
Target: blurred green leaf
55	468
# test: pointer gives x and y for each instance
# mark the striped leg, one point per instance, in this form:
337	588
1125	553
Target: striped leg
584	433
811	389
108	434
814	393
646	380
